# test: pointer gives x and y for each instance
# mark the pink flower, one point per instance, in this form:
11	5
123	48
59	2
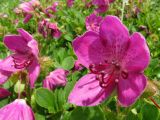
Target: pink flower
4	93
17	110
42	28
115	59
93	22
55	78
52	8
28	8
102	5
47	28
25	55
70	3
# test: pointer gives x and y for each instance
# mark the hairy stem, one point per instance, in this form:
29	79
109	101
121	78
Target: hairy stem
151	98
123	5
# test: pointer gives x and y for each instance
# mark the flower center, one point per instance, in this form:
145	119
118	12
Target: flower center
108	73
22	60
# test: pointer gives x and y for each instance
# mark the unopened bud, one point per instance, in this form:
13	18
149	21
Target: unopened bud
151	89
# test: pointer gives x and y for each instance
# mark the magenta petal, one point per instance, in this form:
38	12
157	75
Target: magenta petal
34	70
70	3
26	7
138	55
4	93
8	65
47	83
87	92
17	110
93	22
28	37
57	34
89	49
56	78
4	76
131	88
16	43
34	47
115	37
27	18
100	2
102	8
110	1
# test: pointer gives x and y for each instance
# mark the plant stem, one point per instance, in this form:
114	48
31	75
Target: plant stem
19	87
123	5
151	98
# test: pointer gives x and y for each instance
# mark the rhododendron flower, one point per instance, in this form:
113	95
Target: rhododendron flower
102	5
55	78
51	9
70	3
25	55
17	110
28	8
47	28
93	22
4	93
115	59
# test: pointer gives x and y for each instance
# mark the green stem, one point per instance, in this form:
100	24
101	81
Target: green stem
123	5
19	86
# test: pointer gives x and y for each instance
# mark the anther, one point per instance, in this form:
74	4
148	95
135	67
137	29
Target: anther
116	80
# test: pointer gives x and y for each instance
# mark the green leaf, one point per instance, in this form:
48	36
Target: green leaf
149	112
68	63
131	116
44	98
39	116
4	102
91	113
68	37
19	86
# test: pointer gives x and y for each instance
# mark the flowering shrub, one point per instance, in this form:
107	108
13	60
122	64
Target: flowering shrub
79	60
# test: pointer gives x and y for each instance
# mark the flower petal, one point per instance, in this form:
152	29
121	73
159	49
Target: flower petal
16	43
4	93
138	55
102	8
131	88
25	34
34	70
115	37
17	110
34	47
87	91
89	49
27	18
93	22
4	76
8	65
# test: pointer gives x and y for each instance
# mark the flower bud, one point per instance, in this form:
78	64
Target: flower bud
55	78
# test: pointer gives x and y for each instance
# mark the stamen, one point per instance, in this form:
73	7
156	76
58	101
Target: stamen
22	61
103	82
116	80
98	68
